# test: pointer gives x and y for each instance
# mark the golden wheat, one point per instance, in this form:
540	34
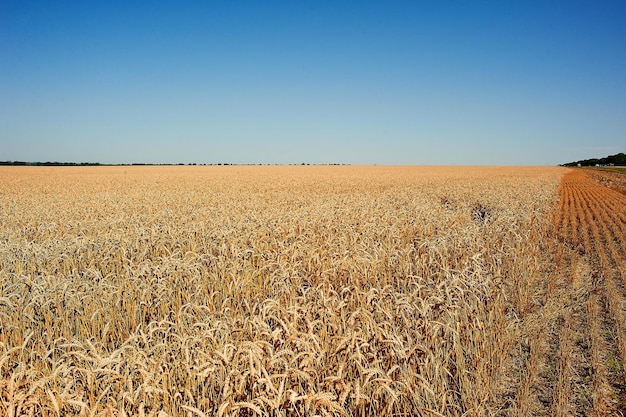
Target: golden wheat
353	291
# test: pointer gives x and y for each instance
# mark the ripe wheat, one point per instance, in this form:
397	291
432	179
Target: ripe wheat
169	291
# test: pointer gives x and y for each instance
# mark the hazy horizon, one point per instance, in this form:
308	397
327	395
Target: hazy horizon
363	83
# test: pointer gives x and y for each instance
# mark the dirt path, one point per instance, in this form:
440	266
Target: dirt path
576	342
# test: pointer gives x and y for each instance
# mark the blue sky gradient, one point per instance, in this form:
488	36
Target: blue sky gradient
420	82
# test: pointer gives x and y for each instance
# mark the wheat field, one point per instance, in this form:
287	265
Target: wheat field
298	291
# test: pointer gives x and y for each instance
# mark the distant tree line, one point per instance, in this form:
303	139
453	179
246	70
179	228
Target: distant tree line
76	164
53	164
618	159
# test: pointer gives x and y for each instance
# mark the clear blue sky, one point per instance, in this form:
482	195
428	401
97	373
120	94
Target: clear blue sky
417	82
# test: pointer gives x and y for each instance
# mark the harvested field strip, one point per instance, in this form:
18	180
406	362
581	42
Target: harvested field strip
573	361
591	220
